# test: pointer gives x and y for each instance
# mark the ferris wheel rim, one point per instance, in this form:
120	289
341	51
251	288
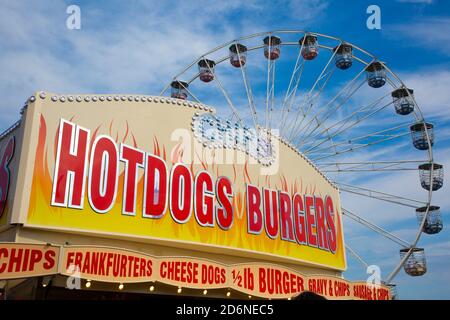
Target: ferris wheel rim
417	112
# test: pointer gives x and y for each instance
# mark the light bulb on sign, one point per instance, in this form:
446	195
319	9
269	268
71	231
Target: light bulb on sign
152	288
179	290
120	286
205	292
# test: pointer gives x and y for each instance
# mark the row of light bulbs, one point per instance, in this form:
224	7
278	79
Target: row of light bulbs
152	288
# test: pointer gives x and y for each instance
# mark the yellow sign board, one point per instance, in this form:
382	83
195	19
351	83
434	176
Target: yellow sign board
146	168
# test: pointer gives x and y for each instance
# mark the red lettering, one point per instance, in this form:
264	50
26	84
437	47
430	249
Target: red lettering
182	271
320	223
36	256
181	193
4	253
254	215
133	159
224	210
123	266
271	215
94	262
310	219
78	258
70	258
287	226
262	280
212	274
299	219
25	260
102	264
155	188
149	268
103	174
204	199
86	266
70	167
275	281
329	214
15	260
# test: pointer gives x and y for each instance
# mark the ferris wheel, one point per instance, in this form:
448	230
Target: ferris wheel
341	107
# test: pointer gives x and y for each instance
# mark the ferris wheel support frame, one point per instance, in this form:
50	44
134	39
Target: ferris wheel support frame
417	113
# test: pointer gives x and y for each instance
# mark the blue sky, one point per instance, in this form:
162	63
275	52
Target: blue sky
137	46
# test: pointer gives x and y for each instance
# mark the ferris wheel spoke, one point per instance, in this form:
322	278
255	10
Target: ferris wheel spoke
248	91
353	144
391	82
372	166
383	196
385	135
295	78
310	99
308	131
270	88
272	98
381	231
340	152
321	75
292	89
358	116
298	128
164	90
190	93
225	94
357	256
297	73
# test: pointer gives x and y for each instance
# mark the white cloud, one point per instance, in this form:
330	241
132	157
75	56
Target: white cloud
430	33
431	90
136	50
120	48
306	10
